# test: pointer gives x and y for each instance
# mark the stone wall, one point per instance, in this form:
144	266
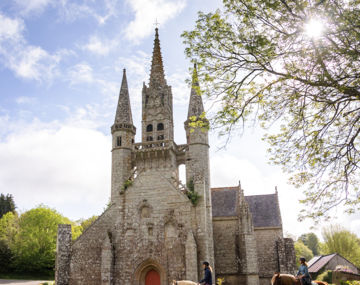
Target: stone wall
63	254
226	247
286	255
266	247
87	251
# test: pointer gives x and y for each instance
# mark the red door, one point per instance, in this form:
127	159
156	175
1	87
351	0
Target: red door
152	278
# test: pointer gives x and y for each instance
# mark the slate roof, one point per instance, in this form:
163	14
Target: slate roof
264	208
318	262
224	201
313	260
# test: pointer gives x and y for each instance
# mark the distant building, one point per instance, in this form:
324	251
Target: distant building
334	262
153	232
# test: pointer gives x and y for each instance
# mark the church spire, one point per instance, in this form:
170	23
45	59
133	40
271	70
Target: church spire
123	111
196	107
157	75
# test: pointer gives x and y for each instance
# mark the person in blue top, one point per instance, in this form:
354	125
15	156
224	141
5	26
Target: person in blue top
303	273
207	274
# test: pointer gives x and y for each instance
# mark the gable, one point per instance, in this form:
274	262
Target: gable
264	208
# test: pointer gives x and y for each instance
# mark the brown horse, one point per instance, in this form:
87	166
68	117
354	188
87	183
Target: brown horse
288	279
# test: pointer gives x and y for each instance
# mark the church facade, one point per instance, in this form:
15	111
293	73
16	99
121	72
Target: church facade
156	229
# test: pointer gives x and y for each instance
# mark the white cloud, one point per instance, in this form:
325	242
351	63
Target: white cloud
71	11
25	60
62	165
146	12
100	46
32	6
25	100
32	62
81	73
10	29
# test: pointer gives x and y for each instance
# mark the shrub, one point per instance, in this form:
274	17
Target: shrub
325	276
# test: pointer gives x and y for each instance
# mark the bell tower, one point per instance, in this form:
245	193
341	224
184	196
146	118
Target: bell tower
157	108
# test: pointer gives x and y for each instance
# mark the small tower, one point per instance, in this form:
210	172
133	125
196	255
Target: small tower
157	108
123	133
198	171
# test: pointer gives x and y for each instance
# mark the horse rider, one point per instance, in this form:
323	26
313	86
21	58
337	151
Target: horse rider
207	274
303	273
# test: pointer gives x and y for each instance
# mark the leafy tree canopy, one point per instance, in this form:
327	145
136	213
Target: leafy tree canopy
312	242
34	245
295	63
301	250
87	223
339	240
7	204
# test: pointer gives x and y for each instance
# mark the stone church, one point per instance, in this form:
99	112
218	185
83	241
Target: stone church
156	229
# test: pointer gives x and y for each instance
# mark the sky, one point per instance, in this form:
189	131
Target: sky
61	66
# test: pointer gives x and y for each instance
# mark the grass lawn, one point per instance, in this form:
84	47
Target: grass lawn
28	276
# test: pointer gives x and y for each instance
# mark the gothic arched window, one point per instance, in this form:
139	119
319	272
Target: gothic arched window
149	139
149	128
160	138
160	126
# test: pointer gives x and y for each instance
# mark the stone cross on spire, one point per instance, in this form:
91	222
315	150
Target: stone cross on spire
157	75
123	111
196	107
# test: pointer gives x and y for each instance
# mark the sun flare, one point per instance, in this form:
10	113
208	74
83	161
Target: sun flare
314	28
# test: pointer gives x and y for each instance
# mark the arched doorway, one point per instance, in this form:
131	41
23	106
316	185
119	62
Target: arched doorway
150	272
152	277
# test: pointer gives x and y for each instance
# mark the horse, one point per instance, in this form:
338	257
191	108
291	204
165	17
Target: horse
288	279
183	282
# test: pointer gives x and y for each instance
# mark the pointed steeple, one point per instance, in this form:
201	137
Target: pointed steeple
123	111
196	107
157	75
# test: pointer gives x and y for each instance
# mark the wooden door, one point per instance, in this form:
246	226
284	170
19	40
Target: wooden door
152	278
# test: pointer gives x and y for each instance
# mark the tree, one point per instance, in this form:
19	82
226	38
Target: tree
301	250
296	64
311	241
34	245
8	230
7	204
339	240
87	223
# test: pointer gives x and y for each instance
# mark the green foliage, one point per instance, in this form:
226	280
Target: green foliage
352	282
325	276
34	244
312	242
339	240
8	229
28	242
192	194
87	223
5	256
7	204
256	59
127	184
301	250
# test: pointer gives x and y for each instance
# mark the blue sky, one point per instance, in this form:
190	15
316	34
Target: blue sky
61	64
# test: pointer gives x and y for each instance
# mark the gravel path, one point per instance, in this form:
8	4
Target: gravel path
21	282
